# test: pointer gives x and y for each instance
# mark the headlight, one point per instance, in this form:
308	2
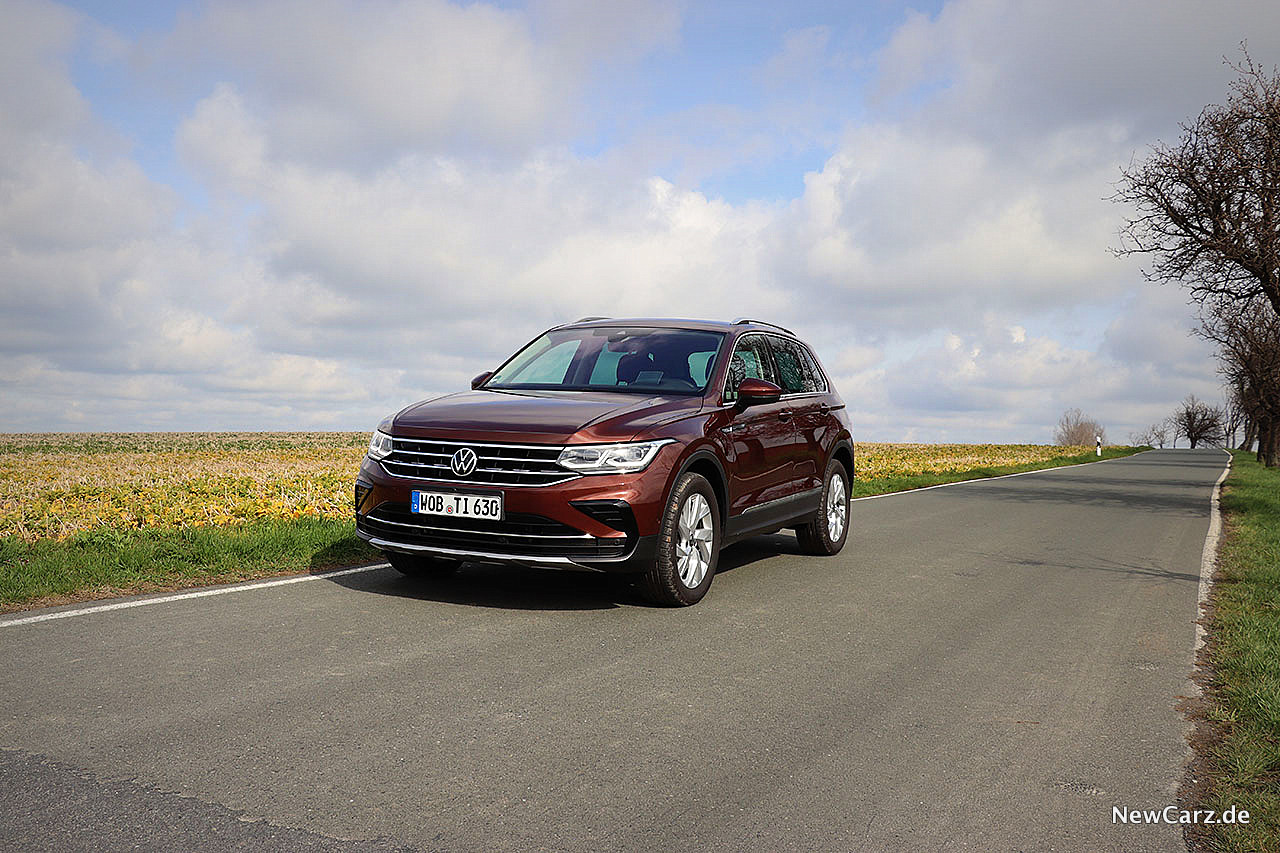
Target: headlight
379	445
611	458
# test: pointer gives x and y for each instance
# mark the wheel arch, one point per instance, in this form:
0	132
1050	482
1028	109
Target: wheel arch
706	463
843	453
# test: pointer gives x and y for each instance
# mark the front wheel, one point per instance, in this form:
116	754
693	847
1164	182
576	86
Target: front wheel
688	545
826	533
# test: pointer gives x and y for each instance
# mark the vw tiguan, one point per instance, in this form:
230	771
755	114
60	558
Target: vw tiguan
635	445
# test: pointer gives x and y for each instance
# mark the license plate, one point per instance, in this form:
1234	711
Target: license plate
457	504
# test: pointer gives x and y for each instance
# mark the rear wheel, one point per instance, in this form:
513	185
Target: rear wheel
688	545
422	566
826	533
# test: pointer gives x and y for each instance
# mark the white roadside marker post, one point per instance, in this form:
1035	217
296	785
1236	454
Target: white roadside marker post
1099	445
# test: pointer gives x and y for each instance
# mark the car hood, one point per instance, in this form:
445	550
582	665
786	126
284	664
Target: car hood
541	417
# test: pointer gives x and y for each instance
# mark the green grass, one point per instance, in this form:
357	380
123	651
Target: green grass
885	485
110	561
1244	633
113	561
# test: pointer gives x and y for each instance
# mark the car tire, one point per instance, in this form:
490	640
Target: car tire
422	566
826	533
688	545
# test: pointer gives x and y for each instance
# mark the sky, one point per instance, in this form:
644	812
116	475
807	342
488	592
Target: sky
307	214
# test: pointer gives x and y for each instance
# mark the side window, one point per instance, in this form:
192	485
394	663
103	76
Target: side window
699	365
796	377
750	361
815	372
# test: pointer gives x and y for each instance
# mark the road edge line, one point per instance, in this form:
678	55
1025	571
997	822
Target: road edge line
1209	556
179	596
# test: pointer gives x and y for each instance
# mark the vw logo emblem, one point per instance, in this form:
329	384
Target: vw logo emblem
463	462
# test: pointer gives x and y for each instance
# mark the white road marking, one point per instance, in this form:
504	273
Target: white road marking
179	596
201	593
1209	556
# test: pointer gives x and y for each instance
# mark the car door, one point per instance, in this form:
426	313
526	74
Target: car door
757	442
804	393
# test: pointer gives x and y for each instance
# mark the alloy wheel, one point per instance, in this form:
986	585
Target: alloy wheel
696	532
837	507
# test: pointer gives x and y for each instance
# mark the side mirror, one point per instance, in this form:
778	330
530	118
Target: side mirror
481	379
753	392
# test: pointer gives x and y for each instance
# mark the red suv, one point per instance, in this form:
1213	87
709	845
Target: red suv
636	445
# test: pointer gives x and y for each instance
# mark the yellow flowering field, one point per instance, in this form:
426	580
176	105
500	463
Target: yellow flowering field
55	485
883	461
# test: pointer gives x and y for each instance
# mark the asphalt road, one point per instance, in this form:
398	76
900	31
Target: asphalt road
990	666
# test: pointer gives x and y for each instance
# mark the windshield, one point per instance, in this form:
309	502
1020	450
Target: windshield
632	360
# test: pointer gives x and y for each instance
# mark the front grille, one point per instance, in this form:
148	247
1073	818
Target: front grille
496	464
518	534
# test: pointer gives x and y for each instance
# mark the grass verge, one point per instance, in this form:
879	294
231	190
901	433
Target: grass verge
111	561
1243	689
901	483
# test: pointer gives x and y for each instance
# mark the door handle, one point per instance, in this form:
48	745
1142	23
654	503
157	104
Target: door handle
784	415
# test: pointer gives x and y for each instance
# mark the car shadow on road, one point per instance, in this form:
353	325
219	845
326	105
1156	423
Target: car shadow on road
518	588
1105	564
1182	498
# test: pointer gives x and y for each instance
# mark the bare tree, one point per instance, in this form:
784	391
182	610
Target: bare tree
1075	429
1197	421
1233	418
1248	339
1156	435
1209	206
1208	217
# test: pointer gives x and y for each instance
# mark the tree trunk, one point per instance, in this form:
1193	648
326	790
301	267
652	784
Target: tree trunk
1250	433
1268	441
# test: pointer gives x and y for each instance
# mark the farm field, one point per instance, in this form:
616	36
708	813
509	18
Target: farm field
90	515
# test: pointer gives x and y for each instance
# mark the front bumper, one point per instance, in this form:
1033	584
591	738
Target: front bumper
637	560
543	527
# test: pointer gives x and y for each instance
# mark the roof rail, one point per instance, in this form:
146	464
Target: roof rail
742	321
588	320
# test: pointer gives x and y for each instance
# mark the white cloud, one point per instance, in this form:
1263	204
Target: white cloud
224	142
428	243
340	82
339	77
588	33
110	315
1021	69
919	229
803	54
394	205
37	36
